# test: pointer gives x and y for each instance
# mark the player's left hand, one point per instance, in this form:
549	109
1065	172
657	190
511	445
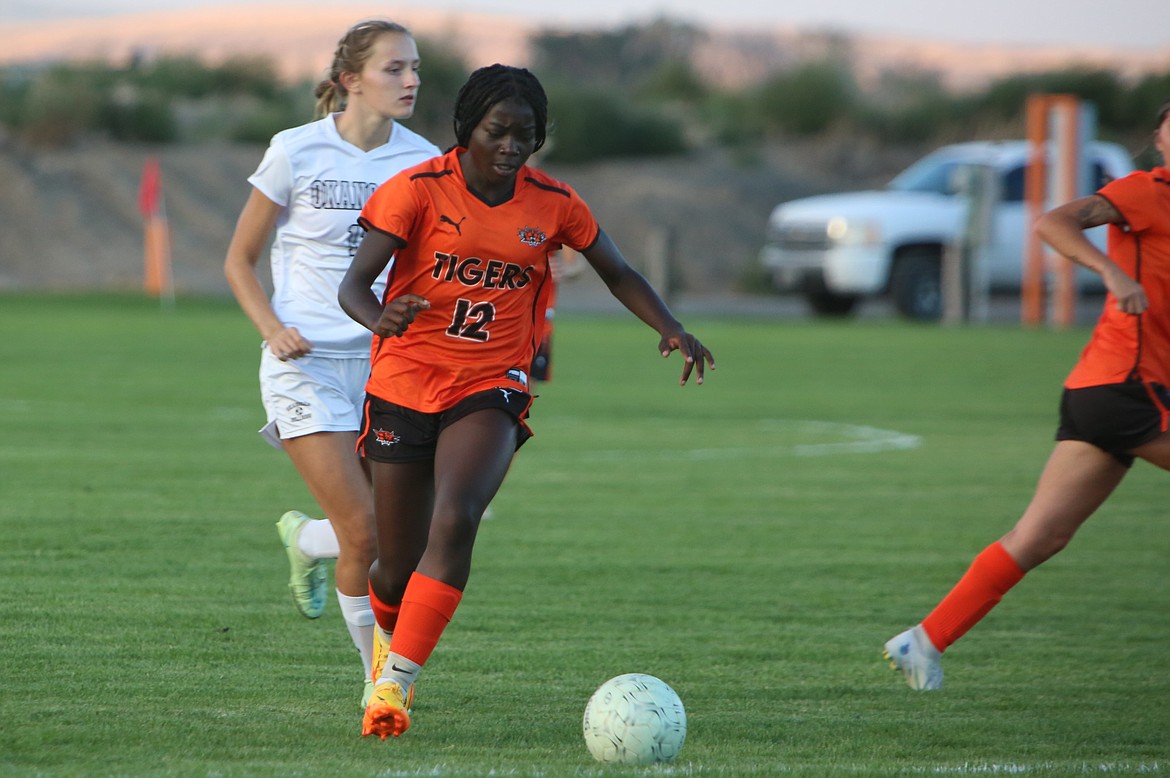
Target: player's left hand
697	356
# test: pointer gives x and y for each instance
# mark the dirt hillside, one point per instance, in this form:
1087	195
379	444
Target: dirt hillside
71	221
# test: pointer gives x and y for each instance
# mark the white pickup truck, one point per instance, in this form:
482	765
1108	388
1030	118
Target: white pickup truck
837	249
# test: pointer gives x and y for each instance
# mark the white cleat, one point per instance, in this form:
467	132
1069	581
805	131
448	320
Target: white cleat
915	657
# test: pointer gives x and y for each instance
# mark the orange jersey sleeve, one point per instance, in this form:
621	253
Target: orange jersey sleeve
485	271
1125	347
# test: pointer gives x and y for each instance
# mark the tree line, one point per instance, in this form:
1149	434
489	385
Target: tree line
629	91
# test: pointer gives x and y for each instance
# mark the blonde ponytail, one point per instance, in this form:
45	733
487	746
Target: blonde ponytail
329	98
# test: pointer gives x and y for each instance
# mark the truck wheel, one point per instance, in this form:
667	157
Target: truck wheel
825	303
916	285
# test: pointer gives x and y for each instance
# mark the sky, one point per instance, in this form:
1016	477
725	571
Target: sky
1128	24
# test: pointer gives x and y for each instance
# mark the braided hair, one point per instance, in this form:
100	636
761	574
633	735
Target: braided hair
353	50
493	84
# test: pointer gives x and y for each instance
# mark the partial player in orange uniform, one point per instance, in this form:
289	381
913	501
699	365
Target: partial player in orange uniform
564	266
1114	407
454	336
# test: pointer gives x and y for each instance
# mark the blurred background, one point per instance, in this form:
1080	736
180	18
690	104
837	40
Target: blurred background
689	120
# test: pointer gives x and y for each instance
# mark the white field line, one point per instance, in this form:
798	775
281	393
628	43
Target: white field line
1085	768
840	439
692	769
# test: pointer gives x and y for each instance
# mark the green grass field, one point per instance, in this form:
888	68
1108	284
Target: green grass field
753	542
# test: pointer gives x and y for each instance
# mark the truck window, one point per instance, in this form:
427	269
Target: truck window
1012	185
929	175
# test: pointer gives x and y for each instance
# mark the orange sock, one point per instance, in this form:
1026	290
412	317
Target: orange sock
984	584
385	615
427	608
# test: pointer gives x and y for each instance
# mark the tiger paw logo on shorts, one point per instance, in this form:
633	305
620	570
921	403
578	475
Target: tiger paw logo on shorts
531	236
386	437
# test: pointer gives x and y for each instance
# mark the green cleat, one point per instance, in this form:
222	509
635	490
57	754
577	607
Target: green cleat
306	578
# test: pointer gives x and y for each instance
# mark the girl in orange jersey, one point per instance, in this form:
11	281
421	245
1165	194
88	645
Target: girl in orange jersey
471	233
308	190
1114	407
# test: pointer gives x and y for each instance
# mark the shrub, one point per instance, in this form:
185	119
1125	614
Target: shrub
148	120
61	104
807	99
587	126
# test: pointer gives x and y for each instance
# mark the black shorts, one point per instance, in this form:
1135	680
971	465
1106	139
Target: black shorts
1116	418
394	433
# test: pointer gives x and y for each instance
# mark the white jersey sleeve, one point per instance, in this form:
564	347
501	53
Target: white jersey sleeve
274	176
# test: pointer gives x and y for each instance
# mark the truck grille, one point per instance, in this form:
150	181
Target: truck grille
803	237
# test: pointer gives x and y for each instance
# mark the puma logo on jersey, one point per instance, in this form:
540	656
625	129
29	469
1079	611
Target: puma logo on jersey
386	437
530	236
445	219
485	273
507	393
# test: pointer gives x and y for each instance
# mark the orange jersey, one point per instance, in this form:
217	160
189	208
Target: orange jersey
1124	347
485	271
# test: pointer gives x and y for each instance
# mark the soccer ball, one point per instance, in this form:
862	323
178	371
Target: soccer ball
634	719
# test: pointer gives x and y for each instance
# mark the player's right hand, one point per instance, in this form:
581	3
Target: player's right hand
398	314
1130	296
289	344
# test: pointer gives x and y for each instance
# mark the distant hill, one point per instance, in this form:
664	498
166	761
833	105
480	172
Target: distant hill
301	39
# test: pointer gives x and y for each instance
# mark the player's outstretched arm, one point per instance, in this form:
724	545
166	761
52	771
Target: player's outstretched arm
634	291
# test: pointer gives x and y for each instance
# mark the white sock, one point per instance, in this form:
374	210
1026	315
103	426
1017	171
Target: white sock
359	618
400	670
317	540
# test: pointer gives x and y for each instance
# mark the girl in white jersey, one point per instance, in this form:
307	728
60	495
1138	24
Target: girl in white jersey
310	188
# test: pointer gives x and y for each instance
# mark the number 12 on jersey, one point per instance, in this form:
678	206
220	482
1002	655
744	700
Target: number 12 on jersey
471	320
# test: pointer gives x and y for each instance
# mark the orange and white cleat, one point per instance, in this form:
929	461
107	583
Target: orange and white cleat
386	713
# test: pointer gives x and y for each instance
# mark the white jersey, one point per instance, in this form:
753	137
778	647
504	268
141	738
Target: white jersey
323	181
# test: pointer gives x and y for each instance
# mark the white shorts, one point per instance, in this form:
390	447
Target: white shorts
311	394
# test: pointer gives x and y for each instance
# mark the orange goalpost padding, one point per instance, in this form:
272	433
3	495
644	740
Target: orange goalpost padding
1056	137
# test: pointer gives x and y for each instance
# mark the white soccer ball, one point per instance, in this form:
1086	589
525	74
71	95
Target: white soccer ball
634	719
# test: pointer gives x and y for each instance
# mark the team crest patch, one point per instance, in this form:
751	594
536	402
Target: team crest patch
531	236
386	437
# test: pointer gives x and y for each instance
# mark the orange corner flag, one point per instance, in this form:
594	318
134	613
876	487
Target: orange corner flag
150	190
156	279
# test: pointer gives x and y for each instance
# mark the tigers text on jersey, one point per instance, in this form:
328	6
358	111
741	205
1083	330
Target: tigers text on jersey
1124	347
485	271
323	181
